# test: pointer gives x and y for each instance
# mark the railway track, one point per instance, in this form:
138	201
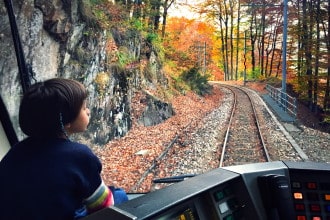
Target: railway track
243	142
239	140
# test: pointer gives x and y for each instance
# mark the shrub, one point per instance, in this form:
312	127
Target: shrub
196	81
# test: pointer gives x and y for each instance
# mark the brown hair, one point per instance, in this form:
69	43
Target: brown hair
49	105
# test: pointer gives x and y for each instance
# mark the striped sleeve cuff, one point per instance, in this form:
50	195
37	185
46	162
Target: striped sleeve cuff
101	198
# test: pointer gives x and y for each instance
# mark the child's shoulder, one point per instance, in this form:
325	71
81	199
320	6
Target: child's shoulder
79	149
55	145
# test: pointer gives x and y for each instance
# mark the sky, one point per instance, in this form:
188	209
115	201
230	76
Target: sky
182	9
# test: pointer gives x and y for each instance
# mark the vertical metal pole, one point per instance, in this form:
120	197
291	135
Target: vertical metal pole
244	58
204	58
22	67
285	27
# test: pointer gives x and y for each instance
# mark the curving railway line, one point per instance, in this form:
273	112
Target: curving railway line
243	142
243	135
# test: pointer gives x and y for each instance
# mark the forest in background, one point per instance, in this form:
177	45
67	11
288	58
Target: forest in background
232	40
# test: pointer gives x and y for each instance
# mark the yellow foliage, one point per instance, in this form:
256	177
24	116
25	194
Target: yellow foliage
102	80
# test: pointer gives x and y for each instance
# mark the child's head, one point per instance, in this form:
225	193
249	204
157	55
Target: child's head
48	106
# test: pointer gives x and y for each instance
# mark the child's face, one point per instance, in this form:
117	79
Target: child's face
81	122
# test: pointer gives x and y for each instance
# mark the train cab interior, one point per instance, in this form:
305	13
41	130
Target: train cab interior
278	190
273	190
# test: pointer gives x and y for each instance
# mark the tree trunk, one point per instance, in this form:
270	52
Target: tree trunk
166	6
155	14
262	39
228	73
274	41
231	11
317	57
326	102
307	52
253	37
238	39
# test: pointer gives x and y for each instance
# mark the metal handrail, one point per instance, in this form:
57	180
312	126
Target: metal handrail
287	102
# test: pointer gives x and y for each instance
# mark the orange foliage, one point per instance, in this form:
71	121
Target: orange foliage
186	40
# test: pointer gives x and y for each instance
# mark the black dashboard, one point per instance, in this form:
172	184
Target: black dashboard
274	190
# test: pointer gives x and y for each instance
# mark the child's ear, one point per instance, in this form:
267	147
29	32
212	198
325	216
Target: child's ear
67	126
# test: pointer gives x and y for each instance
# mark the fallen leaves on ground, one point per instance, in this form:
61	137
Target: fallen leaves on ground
123	167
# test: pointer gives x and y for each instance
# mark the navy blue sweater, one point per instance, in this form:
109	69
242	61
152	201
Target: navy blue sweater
46	179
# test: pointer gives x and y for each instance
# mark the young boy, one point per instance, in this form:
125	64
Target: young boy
47	176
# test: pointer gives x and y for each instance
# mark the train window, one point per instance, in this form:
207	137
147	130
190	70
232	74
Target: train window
8	135
180	153
5	145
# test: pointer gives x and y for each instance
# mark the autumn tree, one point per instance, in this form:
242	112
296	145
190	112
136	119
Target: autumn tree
218	12
249	36
311	32
149	12
326	31
166	5
189	43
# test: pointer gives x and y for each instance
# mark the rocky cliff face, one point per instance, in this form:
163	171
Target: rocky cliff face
58	41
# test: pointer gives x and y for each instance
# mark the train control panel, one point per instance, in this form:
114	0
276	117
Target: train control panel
276	190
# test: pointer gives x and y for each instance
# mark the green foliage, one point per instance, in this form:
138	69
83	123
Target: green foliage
255	74
196	81
102	13
157	44
179	84
96	2
152	37
136	24
123	58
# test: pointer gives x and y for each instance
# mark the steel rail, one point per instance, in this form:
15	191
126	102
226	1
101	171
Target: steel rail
229	128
